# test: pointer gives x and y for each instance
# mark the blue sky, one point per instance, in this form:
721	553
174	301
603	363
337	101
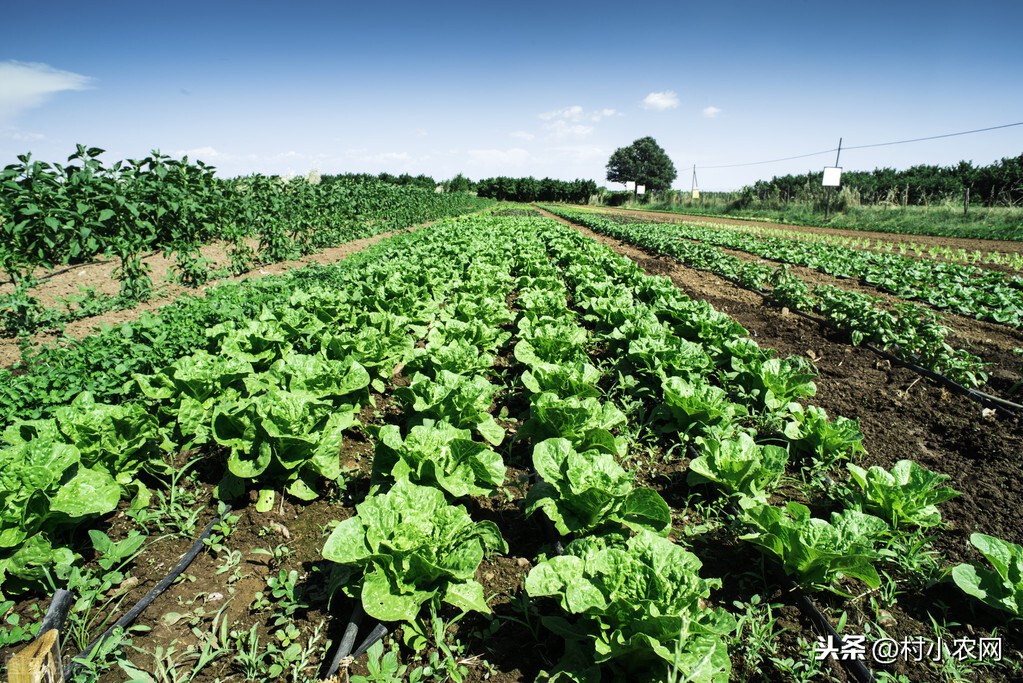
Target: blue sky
526	88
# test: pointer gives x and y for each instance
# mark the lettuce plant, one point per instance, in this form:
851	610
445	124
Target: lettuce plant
739	466
816	552
550	340
584	491
908	495
1002	588
773	385
811	433
577	379
459	357
460	400
414	547
44	487
280	437
585	422
439	454
473	331
640	612
697	409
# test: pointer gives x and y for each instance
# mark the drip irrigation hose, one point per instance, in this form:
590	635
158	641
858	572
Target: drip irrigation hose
378	632
60	604
347	640
79	660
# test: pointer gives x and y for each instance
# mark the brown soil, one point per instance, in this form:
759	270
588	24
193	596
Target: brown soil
993	343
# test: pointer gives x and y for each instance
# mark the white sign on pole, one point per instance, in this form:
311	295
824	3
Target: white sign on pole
832	176
630	184
640	189
696	193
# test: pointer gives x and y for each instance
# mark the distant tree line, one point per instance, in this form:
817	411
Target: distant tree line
999	184
532	190
423	181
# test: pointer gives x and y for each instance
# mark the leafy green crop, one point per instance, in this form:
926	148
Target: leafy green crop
414	547
739	466
441	455
1001	588
640	612
815	552
698	408
585	422
584	491
908	495
812	434
281	437
460	400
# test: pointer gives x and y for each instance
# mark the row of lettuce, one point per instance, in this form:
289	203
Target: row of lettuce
912	332
959	288
277	390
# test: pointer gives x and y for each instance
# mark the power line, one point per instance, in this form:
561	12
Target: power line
771	161
878	144
936	137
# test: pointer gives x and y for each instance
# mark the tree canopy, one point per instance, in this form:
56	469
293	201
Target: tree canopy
644	162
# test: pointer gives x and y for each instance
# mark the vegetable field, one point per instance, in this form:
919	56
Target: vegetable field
506	448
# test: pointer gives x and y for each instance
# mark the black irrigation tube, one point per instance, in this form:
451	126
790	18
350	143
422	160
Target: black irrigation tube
60	604
79	660
344	657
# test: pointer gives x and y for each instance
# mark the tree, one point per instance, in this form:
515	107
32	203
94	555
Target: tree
460	184
644	162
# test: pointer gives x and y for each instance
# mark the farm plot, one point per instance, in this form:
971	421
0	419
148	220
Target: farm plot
84	214
989	253
506	443
978	353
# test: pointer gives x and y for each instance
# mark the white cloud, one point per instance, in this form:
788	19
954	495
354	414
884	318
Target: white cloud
579	154
200	153
13	133
522	135
576	114
562	130
26	85
661	100
571	113
711	112
391	156
603	113
420	132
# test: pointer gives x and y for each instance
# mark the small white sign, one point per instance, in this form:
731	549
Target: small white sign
832	176
696	193
630	184
640	189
